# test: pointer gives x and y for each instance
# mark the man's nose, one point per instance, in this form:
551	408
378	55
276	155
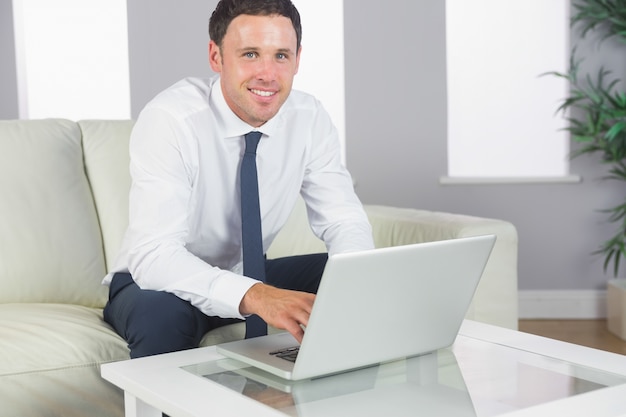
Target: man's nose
266	69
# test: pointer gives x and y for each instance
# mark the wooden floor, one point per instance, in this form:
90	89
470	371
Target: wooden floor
591	333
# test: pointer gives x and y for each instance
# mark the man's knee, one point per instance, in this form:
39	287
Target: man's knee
162	323
301	272
153	322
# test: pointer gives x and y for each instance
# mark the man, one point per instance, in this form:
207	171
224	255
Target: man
179	273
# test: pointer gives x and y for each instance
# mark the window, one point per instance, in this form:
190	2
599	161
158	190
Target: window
72	59
502	121
322	69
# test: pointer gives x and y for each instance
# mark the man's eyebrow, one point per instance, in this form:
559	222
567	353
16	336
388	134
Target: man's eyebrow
256	49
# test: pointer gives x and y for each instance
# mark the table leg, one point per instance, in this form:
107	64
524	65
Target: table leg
137	408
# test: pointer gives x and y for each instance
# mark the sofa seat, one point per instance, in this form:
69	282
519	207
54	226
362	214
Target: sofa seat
76	336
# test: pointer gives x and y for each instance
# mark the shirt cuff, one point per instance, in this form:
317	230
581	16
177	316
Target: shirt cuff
227	292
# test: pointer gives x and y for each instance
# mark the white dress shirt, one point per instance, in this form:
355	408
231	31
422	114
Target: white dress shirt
184	232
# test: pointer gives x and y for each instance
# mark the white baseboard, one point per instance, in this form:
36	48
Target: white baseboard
565	304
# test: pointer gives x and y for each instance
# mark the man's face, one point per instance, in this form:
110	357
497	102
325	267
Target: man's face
257	62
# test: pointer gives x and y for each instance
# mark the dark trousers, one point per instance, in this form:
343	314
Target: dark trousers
154	322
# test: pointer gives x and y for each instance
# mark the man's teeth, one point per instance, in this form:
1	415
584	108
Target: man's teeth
263	93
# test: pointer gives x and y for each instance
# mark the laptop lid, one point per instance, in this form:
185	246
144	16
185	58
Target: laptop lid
376	306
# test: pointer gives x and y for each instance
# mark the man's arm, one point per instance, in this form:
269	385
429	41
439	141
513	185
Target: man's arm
158	257
335	213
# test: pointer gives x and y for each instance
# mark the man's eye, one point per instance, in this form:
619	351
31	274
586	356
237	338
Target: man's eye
281	56
250	55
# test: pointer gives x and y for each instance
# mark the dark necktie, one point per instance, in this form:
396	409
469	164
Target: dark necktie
251	236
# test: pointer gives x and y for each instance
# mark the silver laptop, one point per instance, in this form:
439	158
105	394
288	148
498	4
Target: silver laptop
376	306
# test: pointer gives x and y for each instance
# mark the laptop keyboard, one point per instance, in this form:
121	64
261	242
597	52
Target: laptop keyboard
289	354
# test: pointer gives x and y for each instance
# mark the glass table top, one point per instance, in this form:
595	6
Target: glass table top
471	378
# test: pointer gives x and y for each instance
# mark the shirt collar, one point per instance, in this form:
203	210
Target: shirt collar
230	123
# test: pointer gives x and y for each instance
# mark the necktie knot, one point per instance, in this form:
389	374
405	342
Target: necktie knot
252	141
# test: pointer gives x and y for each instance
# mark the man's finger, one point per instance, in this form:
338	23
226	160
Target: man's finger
296	331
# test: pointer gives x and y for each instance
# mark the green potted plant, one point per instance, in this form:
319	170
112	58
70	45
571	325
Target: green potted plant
596	110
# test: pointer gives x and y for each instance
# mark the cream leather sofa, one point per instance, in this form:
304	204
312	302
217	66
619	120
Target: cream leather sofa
63	212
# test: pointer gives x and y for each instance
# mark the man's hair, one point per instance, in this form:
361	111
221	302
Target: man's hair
227	10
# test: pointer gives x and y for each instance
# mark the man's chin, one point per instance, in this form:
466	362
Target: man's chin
262	117
257	114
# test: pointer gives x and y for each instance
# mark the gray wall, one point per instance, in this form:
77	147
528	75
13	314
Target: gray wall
396	127
168	40
8	81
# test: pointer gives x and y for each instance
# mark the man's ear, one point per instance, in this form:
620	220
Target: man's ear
215	57
298	59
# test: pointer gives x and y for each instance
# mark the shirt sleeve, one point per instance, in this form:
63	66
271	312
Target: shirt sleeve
159	199
335	212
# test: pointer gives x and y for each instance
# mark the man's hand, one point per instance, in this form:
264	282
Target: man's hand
284	309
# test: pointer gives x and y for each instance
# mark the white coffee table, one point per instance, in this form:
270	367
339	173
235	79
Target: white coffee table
489	371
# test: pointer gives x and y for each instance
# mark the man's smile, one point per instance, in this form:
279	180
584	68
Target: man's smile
262	93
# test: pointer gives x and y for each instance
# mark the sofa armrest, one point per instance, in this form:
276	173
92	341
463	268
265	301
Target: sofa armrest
495	301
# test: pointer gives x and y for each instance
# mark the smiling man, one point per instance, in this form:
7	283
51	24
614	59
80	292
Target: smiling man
181	270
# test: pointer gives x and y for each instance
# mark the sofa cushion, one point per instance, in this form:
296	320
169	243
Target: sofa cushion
42	337
50	243
107	163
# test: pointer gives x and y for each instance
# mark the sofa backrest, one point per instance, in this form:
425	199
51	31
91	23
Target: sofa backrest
50	242
105	146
